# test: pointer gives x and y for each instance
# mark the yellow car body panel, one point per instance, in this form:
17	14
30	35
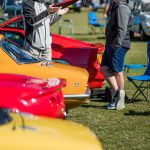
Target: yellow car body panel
76	77
39	133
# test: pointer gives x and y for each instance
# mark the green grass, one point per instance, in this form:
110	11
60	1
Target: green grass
117	130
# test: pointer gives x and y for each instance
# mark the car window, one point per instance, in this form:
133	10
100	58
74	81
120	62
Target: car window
15	37
16	53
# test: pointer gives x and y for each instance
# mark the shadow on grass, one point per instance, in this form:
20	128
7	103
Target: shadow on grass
101	37
83	34
134	113
86	39
128	100
90	106
137	39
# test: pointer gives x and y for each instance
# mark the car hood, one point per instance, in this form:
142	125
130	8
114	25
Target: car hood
36	133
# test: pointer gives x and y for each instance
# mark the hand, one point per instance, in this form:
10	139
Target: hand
52	9
62	11
105	15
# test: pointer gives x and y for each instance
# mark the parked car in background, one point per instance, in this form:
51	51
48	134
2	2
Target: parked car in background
14	60
64	50
27	132
32	95
141	18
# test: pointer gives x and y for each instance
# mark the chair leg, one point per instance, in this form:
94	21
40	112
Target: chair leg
136	94
92	29
140	90
148	87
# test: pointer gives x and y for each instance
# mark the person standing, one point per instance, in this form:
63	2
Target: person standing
117	44
37	19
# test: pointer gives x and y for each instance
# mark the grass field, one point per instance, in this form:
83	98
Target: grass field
128	129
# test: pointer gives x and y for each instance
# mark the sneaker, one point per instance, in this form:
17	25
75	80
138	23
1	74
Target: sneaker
111	106
120	104
118	101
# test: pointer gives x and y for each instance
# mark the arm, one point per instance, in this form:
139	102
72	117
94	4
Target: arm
33	19
106	10
56	16
122	15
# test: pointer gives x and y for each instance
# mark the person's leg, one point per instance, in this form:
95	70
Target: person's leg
110	78
106	70
119	79
117	67
114	75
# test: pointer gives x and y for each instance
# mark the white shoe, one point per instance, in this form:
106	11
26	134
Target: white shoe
120	104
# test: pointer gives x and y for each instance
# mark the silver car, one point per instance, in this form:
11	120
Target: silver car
141	18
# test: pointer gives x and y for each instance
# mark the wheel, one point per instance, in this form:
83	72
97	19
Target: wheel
108	94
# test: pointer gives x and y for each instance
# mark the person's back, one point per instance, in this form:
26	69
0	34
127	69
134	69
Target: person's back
117	17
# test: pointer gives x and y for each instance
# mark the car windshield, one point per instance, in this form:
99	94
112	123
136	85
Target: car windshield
13	36
146	7
16	53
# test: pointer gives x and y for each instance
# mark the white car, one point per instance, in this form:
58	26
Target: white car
141	18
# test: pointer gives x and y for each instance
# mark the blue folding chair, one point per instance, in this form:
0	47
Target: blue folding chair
141	82
94	22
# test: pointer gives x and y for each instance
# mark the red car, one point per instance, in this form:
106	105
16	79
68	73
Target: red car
64	50
32	95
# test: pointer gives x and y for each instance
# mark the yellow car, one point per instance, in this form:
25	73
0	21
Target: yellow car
14	60
27	132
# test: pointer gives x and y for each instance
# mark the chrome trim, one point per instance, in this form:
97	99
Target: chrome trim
84	96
